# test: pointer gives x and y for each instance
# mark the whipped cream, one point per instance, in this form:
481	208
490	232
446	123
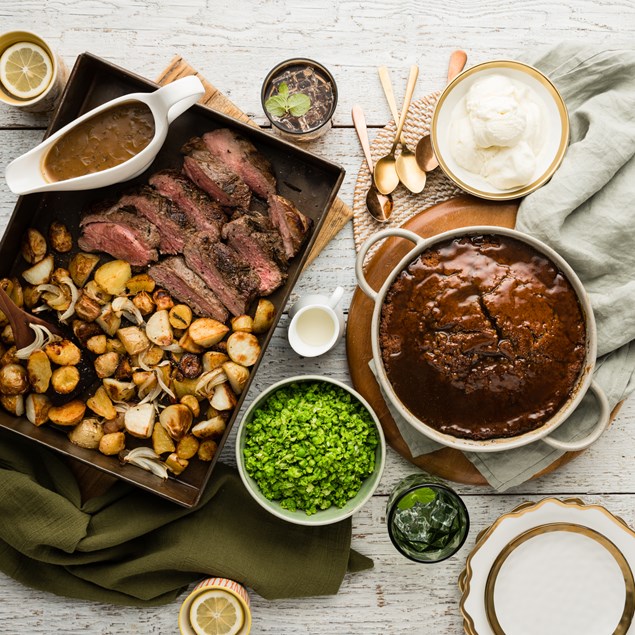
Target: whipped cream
497	131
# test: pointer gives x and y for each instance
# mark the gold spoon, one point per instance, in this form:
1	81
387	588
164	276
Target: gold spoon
386	177
423	152
408	171
379	206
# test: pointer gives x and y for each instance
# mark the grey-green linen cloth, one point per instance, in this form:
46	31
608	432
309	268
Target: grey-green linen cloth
586	213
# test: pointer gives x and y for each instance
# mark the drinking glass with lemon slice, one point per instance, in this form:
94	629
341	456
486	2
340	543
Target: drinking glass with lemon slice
216	606
31	75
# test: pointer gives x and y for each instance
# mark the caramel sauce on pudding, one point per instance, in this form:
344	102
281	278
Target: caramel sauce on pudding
103	141
482	337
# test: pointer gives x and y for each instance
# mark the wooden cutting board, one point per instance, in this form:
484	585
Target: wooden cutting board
457	212
337	216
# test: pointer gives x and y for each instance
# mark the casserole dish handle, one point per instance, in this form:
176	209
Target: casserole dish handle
363	250
594	435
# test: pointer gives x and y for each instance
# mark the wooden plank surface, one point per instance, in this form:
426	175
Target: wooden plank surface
234	45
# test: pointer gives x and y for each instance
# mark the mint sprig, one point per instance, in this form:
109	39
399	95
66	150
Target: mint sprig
281	104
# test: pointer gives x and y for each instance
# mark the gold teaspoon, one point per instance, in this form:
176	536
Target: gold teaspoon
408	171
386	177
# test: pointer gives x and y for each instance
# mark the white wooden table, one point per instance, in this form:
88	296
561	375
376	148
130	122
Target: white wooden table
234	44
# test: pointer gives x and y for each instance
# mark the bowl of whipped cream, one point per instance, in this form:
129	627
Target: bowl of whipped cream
500	130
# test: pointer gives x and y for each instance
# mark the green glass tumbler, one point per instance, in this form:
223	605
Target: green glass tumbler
427	520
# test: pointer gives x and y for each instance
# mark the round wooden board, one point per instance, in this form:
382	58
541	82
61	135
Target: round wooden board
457	212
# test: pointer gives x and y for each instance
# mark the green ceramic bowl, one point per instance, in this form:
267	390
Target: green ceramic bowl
327	516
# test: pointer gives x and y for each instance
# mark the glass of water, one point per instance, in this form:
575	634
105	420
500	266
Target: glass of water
427	521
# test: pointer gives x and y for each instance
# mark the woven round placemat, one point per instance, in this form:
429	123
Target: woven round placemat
438	187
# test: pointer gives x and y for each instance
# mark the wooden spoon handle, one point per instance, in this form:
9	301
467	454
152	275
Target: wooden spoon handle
458	60
359	121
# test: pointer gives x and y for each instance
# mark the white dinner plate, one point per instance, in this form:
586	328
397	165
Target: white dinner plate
551	568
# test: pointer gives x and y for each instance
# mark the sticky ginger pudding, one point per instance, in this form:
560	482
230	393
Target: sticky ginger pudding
482	337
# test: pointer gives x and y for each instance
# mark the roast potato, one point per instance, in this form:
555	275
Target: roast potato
88	434
38	368
206	332
63	353
113	276
139	420
13	380
40	273
69	414
140	282
180	316
263	319
101	404
33	246
176	419
60	238
81	266
112	443
243	348
37	408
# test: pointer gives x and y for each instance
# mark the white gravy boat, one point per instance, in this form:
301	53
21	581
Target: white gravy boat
24	174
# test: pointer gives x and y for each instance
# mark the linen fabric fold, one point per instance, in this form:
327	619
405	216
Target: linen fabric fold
134	548
585	213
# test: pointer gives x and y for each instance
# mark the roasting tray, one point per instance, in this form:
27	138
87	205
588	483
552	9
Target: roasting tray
307	180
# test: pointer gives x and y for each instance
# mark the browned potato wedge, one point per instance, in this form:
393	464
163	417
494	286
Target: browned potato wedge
63	353
109	320
65	379
143	302
40	273
31	296
187	447
106	364
206	450
151	357
192	403
188	344
85	330
88	433
112	443
81	266
124	370
94	291
33	246
8	357
115	346
223	398
176	419
183	386
17	293
213	427
180	316
114	425
237	376
243	348
139	420
13	380
162	441
13	404
96	344
159	329
140	282
113	276
213	359
101	404
60	238
7	335
163	300
244	323
133	339
263	319
176	464
69	414
38	368
37	408
87	309
206	332
119	390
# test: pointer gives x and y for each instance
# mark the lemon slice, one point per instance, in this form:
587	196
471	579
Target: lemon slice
216	612
25	70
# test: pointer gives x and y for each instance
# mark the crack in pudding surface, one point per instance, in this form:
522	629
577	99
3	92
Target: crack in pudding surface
482	337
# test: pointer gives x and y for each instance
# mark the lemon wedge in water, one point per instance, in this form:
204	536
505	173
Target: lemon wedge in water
26	70
216	612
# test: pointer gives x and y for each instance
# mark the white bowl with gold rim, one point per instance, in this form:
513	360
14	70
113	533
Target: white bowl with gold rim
554	119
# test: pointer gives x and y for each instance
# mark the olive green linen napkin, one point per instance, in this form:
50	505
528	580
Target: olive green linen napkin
131	547
586	214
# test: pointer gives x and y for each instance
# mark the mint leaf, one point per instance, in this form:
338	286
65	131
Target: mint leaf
283	90
276	106
299	104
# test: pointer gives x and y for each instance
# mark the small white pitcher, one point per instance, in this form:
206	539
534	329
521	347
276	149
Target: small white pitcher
24	174
317	323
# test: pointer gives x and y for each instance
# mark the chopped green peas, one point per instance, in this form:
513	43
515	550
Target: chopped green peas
310	446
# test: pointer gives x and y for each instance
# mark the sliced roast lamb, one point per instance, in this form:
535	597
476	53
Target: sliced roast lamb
213	176
170	220
260	247
242	157
174	275
224	271
121	233
202	212
292	224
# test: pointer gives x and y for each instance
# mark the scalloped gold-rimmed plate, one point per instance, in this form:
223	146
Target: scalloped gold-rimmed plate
551	567
555	118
